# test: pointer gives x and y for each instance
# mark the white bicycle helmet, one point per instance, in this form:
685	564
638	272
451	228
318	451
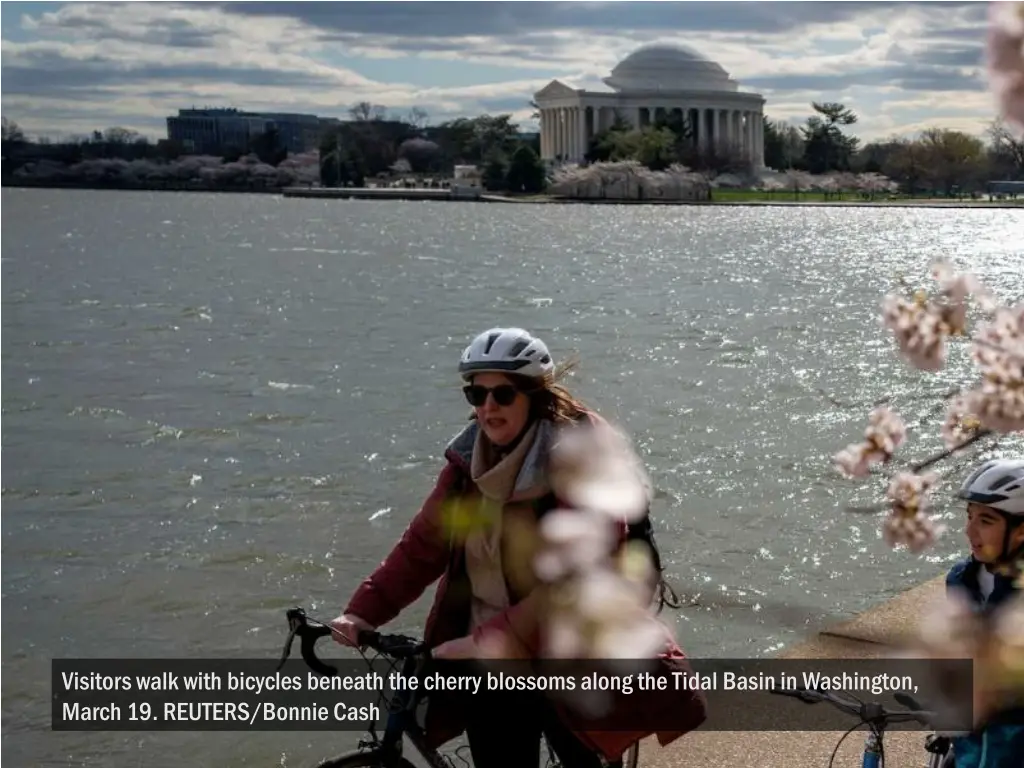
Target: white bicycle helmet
506	350
998	483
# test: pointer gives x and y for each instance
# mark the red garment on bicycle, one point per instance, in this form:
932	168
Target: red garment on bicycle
425	554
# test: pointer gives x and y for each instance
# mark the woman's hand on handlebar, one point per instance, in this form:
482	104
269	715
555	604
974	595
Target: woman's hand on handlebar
346	628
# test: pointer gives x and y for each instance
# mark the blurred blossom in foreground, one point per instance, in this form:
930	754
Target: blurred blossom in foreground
599	600
921	325
998	351
960	425
994	640
596	468
1004	56
884	434
907	522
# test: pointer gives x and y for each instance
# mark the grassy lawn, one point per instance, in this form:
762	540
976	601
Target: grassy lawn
741	196
756	195
745	195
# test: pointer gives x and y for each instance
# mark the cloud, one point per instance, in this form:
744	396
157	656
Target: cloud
499	19
71	65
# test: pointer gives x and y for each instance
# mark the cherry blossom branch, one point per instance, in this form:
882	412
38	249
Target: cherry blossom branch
920	466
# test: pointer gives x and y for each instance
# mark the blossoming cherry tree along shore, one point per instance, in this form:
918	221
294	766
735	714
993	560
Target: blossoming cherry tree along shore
923	326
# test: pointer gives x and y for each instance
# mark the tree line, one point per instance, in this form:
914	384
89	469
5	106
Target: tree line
374	145
938	159
370	146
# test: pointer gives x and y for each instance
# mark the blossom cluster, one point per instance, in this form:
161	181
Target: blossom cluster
600	593
922	326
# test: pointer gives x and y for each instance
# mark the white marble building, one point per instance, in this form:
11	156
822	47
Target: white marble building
650	80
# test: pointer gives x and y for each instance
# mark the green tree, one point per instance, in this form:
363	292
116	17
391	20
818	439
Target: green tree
472	140
905	162
826	146
423	155
525	171
783	144
656	147
495	172
684	145
268	147
953	158
341	164
604	144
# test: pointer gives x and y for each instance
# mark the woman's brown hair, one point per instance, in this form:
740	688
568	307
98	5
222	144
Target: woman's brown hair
550	399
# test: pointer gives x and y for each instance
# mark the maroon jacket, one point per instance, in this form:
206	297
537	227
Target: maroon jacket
425	554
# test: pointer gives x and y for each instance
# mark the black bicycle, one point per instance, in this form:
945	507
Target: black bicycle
878	719
386	751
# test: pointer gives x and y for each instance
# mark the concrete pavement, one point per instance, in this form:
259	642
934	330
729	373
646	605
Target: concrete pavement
869	635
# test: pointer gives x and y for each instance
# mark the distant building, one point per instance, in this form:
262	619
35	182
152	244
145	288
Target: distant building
653	81
213	130
299	133
1012	188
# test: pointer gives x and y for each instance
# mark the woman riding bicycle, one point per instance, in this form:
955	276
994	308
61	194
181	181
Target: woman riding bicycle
500	461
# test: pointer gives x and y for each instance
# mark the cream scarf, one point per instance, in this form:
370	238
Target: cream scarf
496	478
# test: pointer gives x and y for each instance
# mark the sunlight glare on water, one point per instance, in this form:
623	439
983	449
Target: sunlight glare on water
220	406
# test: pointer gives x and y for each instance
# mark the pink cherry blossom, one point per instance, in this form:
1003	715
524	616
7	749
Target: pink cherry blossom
884	434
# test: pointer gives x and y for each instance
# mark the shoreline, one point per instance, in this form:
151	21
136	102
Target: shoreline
871	634
444	196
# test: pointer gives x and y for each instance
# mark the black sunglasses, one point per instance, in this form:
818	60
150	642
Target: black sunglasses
476	394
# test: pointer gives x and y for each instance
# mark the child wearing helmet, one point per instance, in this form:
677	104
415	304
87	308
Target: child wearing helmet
994	493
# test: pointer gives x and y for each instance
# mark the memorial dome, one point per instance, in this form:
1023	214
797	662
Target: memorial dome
665	67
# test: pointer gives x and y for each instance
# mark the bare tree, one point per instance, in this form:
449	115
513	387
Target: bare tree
1006	146
118	135
364	111
11	131
361	111
417	117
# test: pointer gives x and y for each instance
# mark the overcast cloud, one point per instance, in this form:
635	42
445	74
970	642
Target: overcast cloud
73	68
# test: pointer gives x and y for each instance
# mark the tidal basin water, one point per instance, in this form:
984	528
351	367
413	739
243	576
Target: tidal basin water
216	407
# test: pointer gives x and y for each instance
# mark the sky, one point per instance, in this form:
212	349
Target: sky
71	68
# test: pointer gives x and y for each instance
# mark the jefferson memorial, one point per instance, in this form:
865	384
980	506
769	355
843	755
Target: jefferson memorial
651	82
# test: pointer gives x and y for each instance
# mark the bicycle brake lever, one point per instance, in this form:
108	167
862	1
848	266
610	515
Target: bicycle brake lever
287	651
309	637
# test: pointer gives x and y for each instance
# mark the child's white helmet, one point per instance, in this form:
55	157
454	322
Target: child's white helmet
998	483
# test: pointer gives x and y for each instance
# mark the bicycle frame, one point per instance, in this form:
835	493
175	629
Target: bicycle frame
401	721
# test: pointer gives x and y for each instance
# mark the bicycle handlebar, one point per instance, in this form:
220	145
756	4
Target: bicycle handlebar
395	646
866	711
